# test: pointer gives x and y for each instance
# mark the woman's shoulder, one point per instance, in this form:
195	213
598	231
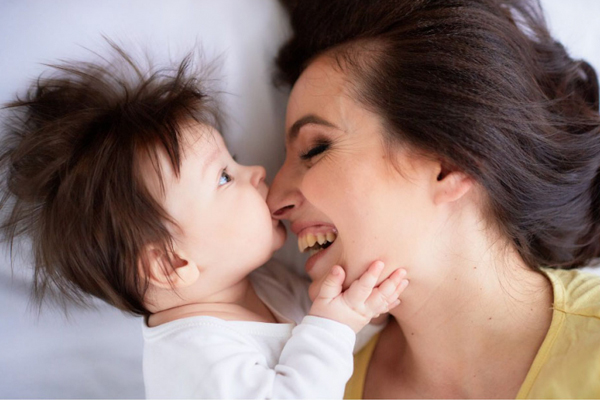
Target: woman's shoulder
568	363
575	292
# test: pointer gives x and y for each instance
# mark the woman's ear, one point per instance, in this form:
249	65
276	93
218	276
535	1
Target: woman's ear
451	185
170	270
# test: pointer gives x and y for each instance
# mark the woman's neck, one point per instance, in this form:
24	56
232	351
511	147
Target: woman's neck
483	312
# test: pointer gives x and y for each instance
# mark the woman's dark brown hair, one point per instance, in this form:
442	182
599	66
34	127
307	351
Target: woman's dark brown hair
483	85
72	177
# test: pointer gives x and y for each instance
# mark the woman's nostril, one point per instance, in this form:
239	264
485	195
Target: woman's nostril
282	210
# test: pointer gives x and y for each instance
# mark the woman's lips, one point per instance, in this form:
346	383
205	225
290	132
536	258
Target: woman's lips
303	228
299	227
312	260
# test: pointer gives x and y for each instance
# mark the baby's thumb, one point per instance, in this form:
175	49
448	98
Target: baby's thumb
332	285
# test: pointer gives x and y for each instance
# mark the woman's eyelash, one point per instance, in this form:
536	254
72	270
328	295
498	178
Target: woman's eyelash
225	178
317	149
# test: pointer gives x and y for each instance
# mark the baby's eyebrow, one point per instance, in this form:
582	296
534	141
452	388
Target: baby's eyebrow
208	161
308	119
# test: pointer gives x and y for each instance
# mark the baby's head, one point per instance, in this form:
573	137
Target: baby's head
126	189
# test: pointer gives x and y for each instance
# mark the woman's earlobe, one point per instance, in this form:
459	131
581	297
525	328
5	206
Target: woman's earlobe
451	186
170	270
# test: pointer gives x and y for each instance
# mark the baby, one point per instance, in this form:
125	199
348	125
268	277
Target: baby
125	187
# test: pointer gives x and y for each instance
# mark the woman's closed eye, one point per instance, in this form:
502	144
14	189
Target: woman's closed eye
320	147
225	178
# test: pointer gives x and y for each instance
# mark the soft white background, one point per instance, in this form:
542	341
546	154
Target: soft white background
97	354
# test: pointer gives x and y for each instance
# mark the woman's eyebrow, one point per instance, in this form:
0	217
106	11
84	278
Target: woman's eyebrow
308	119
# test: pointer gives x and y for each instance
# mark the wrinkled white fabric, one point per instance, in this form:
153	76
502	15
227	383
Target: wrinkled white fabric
207	357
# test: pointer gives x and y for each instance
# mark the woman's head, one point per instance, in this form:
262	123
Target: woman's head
341	179
478	87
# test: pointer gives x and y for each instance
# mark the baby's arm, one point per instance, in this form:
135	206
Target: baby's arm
362	301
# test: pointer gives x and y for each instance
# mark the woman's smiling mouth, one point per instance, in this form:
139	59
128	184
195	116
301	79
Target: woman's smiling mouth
314	239
313	242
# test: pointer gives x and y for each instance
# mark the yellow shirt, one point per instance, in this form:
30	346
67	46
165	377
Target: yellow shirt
567	364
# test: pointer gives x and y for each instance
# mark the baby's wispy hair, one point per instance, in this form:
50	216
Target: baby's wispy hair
71	170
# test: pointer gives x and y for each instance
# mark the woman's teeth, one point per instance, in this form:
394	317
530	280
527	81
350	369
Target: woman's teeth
315	242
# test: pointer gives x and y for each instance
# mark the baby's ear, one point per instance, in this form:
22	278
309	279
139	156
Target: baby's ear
169	269
451	185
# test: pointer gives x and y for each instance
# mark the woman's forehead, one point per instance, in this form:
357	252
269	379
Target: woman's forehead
321	77
325	93
321	93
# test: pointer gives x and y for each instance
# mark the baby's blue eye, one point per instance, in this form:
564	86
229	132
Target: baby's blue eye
225	178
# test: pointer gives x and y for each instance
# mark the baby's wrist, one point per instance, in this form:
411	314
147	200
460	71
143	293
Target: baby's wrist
356	323
342	332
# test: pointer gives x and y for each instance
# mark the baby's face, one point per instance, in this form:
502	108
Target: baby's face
224	224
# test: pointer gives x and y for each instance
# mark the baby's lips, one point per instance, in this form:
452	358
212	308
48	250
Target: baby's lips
277	222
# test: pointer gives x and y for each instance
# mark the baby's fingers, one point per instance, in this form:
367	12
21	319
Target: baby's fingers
332	285
361	289
386	295
400	288
389	286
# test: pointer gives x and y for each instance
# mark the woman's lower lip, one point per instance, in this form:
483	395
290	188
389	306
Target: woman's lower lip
310	263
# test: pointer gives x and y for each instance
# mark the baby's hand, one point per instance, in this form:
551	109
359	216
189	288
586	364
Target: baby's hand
362	301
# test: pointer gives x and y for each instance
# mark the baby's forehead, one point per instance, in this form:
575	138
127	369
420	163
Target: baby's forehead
197	136
198	144
201	147
202	142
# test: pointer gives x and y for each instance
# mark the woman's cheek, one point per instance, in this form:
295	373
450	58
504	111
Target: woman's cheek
316	185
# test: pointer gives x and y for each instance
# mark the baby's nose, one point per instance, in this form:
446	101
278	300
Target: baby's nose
258	175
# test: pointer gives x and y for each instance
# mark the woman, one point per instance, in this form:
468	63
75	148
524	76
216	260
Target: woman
458	139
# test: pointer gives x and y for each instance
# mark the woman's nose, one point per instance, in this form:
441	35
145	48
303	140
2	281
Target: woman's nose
284	196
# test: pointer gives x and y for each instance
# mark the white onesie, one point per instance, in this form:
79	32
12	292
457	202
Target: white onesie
207	357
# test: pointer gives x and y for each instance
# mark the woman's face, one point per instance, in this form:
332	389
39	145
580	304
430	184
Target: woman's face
338	182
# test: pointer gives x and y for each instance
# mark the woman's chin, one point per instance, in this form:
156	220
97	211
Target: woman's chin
318	273
321	262
313	290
